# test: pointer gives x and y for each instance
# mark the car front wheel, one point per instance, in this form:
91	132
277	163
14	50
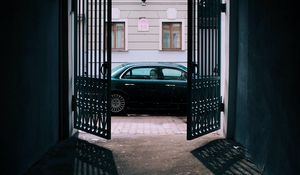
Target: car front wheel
118	104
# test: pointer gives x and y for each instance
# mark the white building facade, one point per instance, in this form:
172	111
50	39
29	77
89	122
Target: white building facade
155	31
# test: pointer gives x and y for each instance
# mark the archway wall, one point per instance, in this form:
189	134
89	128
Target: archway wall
30	82
264	110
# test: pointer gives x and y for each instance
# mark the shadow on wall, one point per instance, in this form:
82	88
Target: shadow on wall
225	157
75	157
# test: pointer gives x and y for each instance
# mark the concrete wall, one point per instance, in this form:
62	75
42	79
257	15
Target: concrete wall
146	45
29	82
267	119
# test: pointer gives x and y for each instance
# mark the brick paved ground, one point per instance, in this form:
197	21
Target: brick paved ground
148	125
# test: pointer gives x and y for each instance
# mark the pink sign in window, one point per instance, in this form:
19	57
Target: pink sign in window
143	25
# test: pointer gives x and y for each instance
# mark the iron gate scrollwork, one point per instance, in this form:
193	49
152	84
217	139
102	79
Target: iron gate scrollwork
204	19
92	50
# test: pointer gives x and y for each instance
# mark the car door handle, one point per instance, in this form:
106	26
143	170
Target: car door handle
129	84
170	85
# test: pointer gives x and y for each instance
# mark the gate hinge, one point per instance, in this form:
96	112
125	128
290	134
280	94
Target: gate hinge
223	7
74	103
222	107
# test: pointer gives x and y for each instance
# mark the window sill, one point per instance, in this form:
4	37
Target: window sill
171	50
113	50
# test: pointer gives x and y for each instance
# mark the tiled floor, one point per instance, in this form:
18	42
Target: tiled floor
148	125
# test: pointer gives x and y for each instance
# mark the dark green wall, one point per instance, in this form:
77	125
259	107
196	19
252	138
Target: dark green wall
267	117
29	82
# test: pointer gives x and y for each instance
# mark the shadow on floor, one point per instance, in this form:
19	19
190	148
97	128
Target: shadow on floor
225	157
76	157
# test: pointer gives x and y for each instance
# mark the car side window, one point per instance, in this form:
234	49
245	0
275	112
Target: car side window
141	73
174	74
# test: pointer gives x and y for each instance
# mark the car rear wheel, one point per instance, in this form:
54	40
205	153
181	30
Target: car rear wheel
118	104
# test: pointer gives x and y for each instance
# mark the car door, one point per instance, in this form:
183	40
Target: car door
175	83
140	86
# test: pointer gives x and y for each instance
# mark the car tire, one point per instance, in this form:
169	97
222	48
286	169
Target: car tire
118	104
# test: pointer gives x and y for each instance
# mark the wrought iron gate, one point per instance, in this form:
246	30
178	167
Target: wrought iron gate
204	18
92	66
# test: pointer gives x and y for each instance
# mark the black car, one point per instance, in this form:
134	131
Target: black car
148	86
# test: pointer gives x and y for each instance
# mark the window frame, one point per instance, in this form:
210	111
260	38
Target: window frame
115	38
171	36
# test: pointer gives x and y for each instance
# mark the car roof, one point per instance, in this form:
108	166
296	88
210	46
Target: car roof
164	64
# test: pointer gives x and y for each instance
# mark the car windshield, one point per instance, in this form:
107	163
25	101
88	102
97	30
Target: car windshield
116	68
183	67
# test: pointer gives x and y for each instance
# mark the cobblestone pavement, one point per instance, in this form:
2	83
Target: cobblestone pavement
148	125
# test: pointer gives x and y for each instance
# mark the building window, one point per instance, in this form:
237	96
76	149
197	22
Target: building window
171	36
118	36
